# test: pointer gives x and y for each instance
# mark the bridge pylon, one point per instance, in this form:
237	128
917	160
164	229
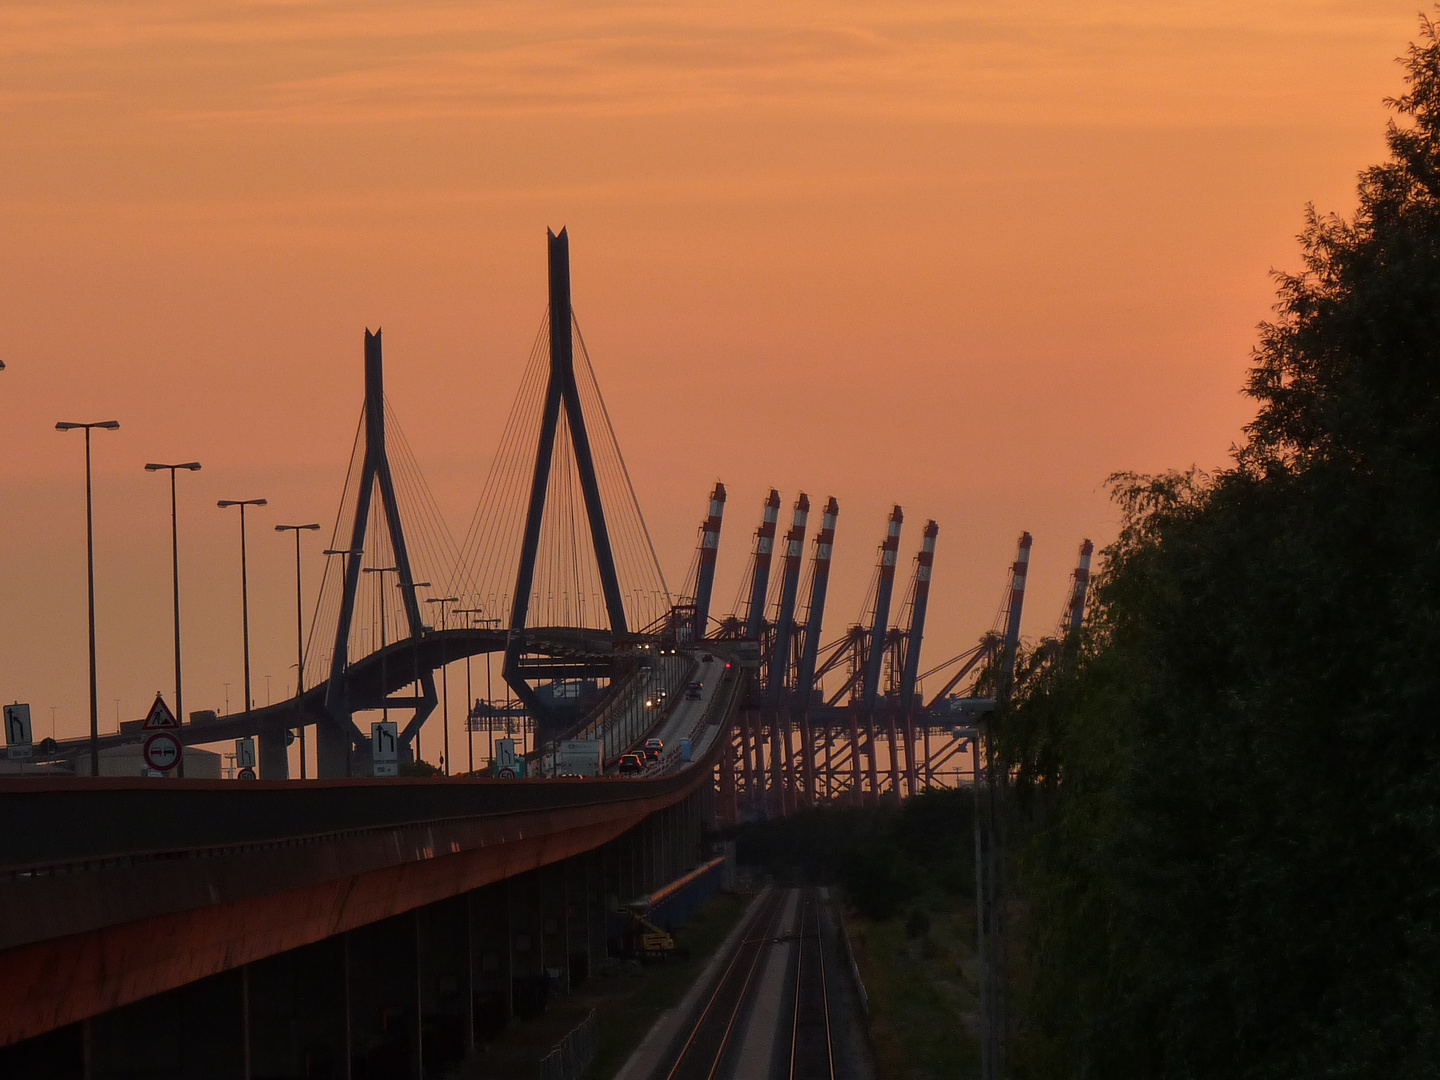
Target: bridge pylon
562	390
341	748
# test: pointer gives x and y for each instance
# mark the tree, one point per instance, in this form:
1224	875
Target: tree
1230	851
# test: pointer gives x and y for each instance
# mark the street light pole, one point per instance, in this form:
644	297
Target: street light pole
188	466
108	425
444	674
469	693
244	586
299	629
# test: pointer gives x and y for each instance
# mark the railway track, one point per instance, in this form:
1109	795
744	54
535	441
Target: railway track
711	1041
812	1045
711	1047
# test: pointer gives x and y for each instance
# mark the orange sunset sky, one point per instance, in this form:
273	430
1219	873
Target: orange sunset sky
968	257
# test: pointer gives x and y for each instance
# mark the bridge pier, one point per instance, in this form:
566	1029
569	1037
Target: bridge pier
527	942
493	973
273	750
332	751
446	978
298	1011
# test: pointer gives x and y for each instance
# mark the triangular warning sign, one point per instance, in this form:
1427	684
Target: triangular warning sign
160	716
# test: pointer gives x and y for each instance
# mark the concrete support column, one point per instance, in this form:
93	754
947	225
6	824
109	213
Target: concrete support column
529	986
297	1010
595	903
727	813
446	1015
332	751
554	926
384	992
193	1031
491	974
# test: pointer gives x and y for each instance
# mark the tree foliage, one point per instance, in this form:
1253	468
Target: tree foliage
1229	847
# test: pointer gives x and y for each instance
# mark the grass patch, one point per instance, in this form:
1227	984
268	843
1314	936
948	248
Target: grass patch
624	1020
919	970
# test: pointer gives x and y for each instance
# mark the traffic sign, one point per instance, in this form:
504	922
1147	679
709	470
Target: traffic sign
508	765
385	748
160	718
162	751
246	773
17	731
245	753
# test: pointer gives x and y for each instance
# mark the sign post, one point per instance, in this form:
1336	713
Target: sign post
17	731
385	747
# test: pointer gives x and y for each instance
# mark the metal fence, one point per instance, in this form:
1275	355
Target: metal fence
573	1054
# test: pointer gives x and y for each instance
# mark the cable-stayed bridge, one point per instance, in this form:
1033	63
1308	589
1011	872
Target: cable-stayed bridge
137	898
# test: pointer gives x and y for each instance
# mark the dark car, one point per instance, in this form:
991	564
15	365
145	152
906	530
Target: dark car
631	763
652	749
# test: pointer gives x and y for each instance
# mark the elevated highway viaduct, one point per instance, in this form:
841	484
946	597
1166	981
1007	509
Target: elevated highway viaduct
343	928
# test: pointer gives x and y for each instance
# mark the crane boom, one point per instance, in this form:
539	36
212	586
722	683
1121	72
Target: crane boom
760	573
1079	589
885	585
815	615
919	601
709	549
1016	607
789	586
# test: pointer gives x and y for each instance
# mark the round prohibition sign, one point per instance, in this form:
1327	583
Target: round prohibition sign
505	773
162	751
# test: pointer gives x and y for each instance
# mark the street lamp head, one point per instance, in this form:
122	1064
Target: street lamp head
241	502
67	425
344	551
296	528
153	466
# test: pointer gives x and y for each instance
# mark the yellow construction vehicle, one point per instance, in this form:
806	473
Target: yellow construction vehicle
652	940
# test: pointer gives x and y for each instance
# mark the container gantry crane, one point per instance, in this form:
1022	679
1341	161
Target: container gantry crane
705	571
760	574
919	603
778	667
810	646
1079	590
879	623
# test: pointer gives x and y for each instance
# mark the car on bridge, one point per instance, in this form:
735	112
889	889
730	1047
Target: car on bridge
652	749
692	692
631	763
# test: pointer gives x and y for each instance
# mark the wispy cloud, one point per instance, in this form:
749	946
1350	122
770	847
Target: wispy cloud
324	62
